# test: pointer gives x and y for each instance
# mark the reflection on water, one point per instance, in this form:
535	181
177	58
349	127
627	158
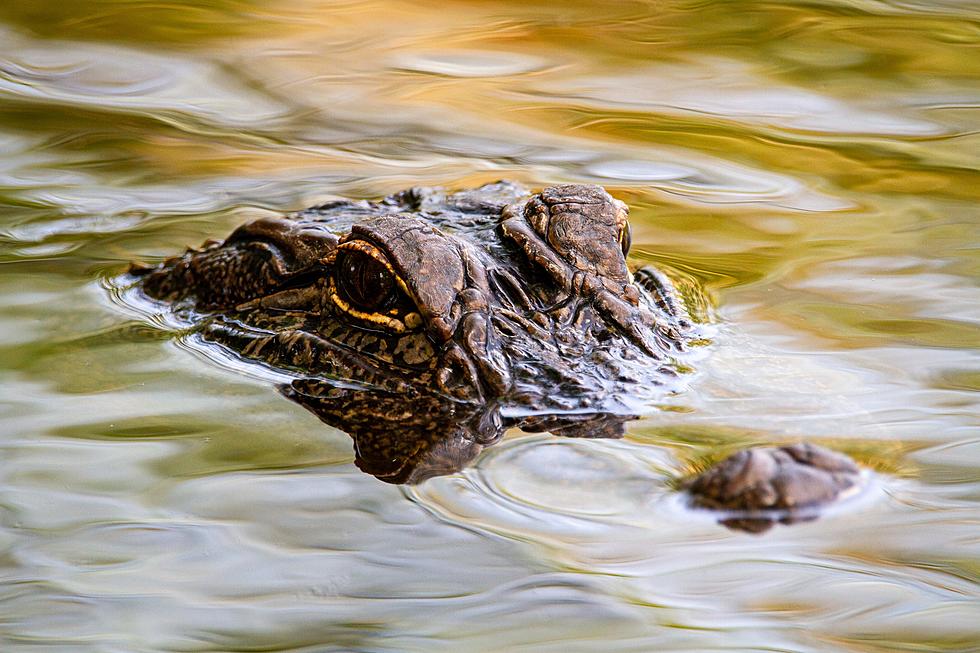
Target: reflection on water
813	165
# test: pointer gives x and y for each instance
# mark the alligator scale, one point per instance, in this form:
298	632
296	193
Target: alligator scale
426	324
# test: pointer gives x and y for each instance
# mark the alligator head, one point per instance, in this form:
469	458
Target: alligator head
481	297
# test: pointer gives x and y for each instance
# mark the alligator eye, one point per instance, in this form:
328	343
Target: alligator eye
365	287
364	280
626	238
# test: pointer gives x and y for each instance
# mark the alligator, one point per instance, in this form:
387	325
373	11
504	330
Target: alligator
426	324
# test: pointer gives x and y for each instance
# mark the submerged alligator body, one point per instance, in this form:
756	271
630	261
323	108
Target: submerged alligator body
427	323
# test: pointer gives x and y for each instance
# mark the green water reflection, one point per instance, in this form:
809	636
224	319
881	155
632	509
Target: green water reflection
811	165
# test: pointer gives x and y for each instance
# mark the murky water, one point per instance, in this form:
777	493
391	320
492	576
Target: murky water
812	165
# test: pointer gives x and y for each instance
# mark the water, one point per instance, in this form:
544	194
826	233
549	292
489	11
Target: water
812	165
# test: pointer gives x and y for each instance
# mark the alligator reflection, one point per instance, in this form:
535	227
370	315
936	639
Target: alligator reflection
762	524
410	438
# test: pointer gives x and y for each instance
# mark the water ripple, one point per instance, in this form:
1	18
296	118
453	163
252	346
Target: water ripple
734	91
122	79
813	165
469	63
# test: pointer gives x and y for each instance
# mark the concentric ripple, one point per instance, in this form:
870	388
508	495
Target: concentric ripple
583	486
572	490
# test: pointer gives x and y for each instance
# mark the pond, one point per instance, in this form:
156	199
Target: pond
810	167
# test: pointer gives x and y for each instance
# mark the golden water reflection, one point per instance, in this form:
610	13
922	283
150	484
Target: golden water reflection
811	166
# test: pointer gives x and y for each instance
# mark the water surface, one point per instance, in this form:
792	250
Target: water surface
811	166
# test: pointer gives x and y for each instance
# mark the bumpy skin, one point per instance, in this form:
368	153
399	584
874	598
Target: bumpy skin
502	298
426	324
763	485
